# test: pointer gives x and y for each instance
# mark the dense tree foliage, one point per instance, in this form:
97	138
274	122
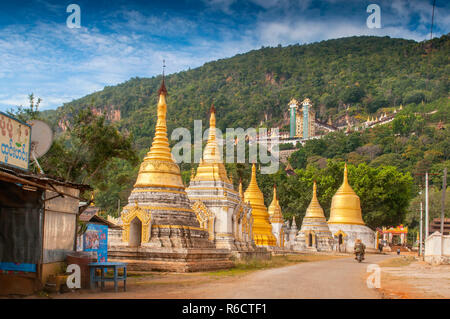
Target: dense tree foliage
82	153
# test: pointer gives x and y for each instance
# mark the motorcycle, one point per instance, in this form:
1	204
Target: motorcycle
359	257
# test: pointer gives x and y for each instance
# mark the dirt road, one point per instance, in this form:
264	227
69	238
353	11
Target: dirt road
336	278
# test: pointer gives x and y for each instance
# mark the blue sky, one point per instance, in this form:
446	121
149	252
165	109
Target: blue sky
123	39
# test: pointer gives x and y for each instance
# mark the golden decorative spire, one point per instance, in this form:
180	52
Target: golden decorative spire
158	167
275	215
314	209
192	173
345	205
241	192
92	200
262	230
211	167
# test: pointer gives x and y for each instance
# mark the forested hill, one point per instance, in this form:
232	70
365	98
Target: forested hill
253	89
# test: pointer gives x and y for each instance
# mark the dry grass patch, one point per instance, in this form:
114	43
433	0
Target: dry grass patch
245	266
397	261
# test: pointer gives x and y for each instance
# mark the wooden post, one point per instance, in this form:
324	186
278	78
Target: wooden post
421	228
426	207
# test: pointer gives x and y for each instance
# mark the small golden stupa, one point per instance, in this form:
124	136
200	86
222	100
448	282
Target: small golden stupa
262	230
276	219
314	209
275	215
241	192
215	201
314	234
211	167
345	205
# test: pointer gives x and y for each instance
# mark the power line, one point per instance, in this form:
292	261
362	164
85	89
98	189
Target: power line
432	20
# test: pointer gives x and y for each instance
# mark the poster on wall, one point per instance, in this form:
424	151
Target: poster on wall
15	137
96	239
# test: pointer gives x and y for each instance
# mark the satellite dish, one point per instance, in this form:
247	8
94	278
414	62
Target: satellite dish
41	138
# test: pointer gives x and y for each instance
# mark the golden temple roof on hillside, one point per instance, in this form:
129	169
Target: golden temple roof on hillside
158	167
211	167
345	205
314	209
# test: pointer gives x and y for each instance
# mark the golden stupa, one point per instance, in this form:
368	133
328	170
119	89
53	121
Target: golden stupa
314	209
314	234
262	230
275	215
211	167
158	167
241	192
345	205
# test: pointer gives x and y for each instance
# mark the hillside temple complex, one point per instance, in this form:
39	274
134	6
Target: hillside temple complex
302	120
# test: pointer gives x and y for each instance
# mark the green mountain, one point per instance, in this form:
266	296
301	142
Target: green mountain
253	89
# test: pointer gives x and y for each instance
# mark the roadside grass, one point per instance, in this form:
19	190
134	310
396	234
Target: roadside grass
397	261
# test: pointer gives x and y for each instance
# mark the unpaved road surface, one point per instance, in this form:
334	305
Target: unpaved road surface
335	278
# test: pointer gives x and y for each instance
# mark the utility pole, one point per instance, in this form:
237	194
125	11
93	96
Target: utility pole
444	188
426	206
424	236
420	231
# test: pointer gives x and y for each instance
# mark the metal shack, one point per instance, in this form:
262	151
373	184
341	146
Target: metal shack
38	223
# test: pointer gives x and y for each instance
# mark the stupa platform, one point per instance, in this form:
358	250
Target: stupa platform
258	253
171	259
349	234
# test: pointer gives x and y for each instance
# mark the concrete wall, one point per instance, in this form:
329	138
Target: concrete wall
433	252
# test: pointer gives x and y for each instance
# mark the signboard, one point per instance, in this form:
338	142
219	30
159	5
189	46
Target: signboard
15	138
6	266
96	239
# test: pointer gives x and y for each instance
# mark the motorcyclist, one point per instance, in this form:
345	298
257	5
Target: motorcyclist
359	248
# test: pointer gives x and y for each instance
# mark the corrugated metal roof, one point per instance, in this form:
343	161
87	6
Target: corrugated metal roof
42	179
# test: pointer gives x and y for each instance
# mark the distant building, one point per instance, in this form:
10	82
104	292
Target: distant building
302	120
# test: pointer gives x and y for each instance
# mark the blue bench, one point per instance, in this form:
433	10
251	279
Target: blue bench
104	266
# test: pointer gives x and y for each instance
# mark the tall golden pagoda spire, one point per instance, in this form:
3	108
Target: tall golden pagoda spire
211	167
275	215
158	167
345	205
262	230
314	209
